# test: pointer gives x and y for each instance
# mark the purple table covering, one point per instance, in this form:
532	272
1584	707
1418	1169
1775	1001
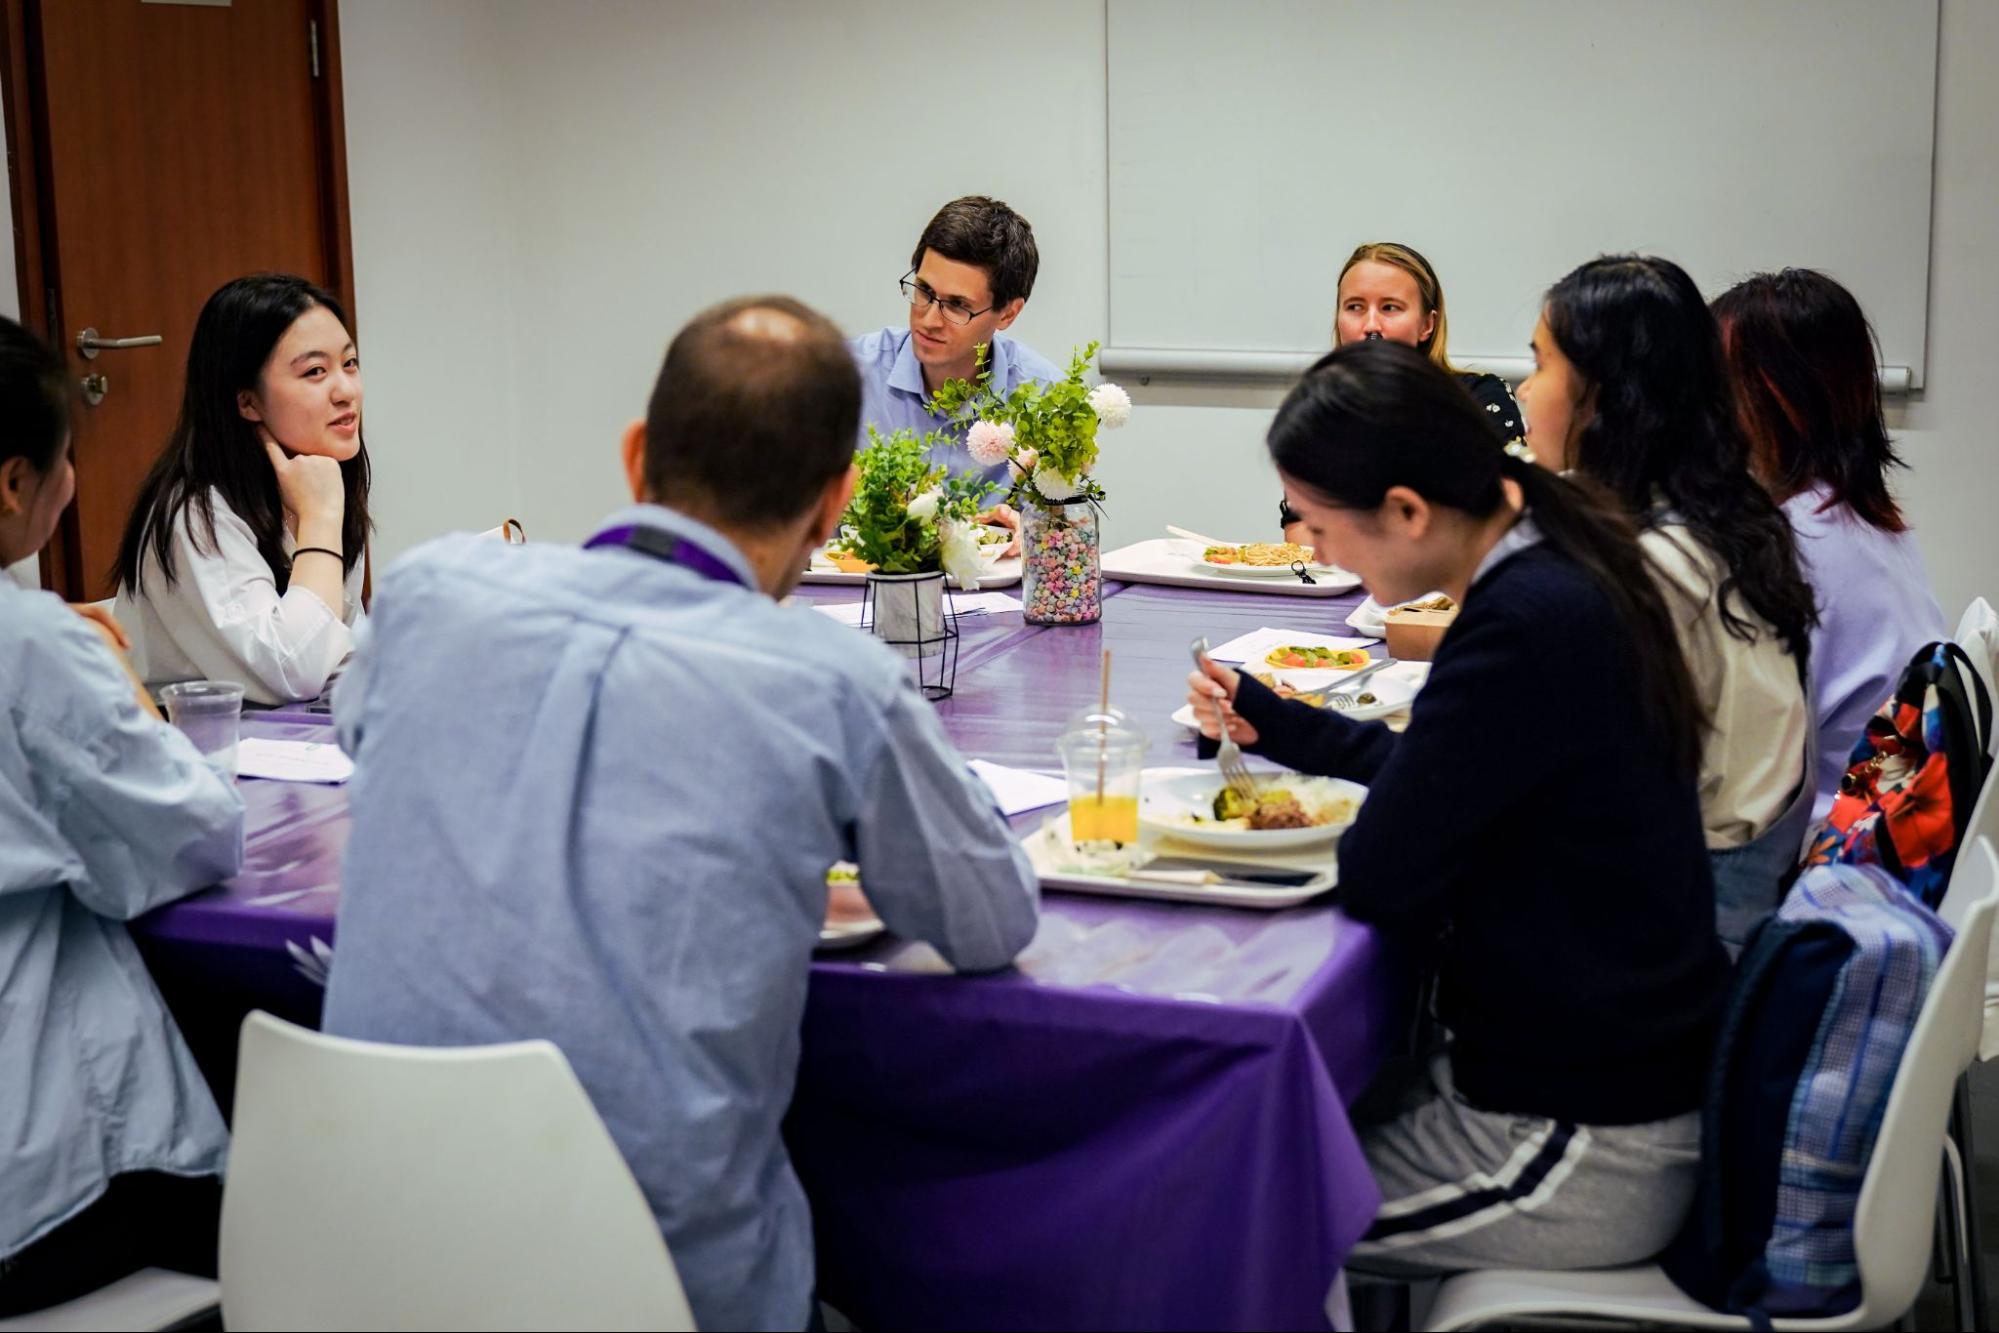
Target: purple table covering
1141	1125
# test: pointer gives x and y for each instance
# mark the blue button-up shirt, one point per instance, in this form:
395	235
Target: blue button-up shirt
596	798
893	393
104	813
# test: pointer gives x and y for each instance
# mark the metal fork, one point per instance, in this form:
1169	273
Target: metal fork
1229	756
1341	695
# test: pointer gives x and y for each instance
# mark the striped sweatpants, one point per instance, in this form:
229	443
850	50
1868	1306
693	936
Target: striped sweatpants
1465	1188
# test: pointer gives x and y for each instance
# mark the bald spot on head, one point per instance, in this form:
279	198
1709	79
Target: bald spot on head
755	410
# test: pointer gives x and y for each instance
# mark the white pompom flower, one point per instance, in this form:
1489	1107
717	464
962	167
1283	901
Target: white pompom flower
924	507
1113	405
989	442
1054	487
958	552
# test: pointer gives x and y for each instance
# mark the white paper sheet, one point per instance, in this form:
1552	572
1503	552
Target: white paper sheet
1017	790
292	761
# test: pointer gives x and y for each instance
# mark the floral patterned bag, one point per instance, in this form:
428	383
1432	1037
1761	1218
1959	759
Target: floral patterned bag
1914	775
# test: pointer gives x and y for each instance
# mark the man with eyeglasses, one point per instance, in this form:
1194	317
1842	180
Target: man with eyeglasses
972	272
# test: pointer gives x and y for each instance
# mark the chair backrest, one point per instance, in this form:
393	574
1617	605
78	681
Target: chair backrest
1978	634
1984	823
374	1187
1893	1220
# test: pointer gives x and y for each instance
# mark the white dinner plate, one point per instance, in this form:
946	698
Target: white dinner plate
1394	692
1163	797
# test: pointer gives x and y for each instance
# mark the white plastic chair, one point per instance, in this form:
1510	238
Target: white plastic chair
1896	1212
395	1187
151	1300
1978	634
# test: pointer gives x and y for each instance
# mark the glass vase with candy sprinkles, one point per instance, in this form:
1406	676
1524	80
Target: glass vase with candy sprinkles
1062	579
1046	434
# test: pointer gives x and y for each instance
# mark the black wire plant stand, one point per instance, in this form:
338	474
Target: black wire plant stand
924	632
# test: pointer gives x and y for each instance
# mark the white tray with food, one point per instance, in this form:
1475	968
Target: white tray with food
1178	563
1195	846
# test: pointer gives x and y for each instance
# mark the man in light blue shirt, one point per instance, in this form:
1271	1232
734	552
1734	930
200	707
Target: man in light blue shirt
970	277
109	1139
598	791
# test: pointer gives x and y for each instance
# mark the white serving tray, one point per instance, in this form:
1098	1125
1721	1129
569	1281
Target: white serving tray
1160	560
1045	844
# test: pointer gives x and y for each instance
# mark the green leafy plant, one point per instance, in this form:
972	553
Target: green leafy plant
1047	431
910	516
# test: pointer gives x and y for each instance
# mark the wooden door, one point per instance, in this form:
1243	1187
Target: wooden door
160	148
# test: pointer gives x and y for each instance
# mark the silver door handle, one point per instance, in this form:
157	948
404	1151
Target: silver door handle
90	344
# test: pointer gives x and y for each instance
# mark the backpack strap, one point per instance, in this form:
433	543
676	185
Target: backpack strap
1954	652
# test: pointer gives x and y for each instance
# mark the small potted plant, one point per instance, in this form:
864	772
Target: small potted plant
1049	433
912	524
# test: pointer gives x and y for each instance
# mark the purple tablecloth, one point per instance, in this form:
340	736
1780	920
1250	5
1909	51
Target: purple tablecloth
1142	1125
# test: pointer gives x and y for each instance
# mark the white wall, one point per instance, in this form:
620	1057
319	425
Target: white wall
543	192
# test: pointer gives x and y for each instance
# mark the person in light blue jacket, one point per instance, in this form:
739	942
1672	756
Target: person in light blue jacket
110	1143
597	791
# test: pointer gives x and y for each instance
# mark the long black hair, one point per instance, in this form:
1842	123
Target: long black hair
1807	393
1664	431
34	398
1374	415
214	450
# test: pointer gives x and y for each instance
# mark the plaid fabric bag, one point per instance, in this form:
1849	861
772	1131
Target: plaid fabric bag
1825	998
1914	776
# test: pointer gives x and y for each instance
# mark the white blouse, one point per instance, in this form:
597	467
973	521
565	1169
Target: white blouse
1753	756
222	618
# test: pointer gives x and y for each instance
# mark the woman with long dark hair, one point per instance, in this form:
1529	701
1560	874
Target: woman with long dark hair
1802	361
112	1146
1629	389
244	557
1536	826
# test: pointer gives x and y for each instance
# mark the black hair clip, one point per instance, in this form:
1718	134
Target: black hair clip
1298	568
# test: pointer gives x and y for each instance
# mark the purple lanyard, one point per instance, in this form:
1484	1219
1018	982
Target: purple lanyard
665	546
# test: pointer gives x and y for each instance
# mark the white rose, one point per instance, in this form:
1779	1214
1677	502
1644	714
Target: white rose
958	552
1053	485
1113	405
924	507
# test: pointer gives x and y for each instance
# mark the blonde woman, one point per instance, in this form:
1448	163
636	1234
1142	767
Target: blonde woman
1388	291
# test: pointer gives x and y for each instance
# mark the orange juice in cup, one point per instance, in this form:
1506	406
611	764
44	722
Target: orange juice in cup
1103	754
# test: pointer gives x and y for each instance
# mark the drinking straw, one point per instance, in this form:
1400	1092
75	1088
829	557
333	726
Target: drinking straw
1103	725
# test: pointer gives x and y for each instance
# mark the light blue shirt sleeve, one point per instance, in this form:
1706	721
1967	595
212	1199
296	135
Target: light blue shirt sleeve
145	820
938	862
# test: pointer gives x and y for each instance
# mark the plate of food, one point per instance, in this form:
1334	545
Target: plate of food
850	921
1291	810
1316	657
1383	696
834	564
1264	560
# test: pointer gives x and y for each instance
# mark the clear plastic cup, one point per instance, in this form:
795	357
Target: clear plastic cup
211	713
1103	756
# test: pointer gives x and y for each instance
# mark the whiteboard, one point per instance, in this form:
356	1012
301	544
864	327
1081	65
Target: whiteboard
1253	145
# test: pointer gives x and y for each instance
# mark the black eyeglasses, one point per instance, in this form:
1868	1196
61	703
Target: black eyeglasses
920	297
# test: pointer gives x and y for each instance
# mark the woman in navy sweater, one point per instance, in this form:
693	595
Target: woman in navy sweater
1536	827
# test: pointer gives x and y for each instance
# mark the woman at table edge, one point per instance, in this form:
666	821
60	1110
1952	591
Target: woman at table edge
113	1142
1802	360
1388	291
245	555
1630	388
1536	826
